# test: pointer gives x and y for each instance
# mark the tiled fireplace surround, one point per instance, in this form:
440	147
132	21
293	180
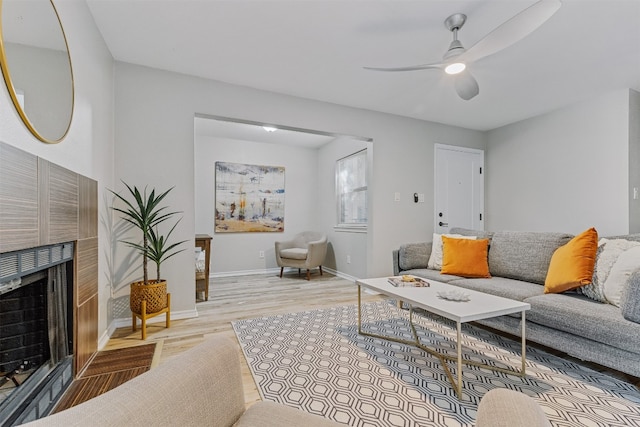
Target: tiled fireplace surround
45	206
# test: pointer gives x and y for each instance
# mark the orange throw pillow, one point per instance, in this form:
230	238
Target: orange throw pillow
464	257
572	264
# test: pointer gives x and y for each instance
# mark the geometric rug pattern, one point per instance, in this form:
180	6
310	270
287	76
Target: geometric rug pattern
316	361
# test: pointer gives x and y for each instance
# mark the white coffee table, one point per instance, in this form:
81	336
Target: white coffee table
480	306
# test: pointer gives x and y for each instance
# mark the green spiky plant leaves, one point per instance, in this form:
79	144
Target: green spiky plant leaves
159	249
145	213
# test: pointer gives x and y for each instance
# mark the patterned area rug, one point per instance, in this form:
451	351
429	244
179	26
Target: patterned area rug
317	361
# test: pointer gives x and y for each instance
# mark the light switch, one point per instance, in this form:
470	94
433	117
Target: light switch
421	197
396	197
635	193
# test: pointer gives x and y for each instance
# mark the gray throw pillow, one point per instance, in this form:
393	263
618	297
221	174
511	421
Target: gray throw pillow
630	300
414	255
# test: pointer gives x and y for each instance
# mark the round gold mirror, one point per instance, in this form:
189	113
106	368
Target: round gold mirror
36	66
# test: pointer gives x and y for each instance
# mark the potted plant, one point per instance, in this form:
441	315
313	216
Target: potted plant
145	213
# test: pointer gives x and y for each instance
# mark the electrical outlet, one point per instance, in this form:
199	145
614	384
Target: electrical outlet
348	259
261	254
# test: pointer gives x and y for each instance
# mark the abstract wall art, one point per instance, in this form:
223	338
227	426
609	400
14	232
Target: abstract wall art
249	198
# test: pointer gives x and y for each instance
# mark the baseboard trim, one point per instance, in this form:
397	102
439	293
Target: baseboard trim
125	322
276	271
244	273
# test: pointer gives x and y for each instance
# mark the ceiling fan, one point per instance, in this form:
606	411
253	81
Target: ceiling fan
456	58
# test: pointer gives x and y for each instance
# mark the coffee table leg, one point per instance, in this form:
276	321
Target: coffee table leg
359	310
459	345
524	345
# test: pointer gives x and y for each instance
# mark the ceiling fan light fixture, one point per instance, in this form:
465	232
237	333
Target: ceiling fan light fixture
455	68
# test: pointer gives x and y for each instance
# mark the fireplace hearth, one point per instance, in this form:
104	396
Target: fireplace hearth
36	331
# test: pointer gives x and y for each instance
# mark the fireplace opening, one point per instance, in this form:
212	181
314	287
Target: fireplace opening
36	342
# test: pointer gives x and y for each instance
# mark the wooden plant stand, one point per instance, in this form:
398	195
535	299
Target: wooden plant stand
144	316
147	301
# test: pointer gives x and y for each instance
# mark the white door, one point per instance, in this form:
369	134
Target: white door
459	188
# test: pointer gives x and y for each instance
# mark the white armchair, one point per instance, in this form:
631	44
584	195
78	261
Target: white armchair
307	250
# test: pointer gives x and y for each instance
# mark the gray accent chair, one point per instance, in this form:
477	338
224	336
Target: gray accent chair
307	250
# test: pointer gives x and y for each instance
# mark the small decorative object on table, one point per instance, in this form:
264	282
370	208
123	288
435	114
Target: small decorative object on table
408	281
454	295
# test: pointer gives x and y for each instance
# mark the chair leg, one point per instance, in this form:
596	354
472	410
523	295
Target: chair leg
308	274
320	267
144	320
281	270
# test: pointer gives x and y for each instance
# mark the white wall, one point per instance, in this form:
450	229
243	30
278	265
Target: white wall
154	144
567	170
239	252
88	147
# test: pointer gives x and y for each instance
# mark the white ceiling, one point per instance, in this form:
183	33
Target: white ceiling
316	49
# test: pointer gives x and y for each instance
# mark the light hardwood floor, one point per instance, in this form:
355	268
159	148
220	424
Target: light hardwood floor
243	297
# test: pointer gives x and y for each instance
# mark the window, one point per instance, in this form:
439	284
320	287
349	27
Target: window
351	179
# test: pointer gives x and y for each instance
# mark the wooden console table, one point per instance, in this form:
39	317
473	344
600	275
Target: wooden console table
203	241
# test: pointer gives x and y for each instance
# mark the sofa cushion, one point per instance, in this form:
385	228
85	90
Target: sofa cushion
627	262
480	234
464	257
435	260
430	274
608	252
271	414
578	315
571	265
414	255
523	255
502	287
632	237
294	253
630	301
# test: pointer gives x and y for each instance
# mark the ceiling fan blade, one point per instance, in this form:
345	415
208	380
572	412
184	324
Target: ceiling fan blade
466	85
411	68
513	30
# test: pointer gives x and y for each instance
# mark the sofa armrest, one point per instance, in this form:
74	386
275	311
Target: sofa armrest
286	244
198	387
396	262
271	414
316	252
501	407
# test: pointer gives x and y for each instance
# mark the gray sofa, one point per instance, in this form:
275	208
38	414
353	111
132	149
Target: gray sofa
569	322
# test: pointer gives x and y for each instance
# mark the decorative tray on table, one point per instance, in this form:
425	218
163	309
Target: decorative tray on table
408	281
